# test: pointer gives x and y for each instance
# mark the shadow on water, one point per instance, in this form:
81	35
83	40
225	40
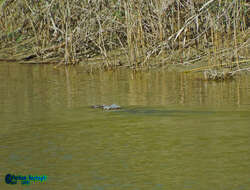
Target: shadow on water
158	112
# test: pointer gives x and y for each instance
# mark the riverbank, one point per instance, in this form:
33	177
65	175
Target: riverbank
109	35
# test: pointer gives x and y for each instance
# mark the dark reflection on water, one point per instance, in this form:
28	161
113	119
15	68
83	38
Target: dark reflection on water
174	131
164	112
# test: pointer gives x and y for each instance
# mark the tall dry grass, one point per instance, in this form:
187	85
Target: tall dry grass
182	31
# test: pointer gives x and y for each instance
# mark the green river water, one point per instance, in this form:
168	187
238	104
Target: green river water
175	131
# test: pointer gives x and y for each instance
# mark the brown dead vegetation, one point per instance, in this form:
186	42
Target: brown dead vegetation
71	32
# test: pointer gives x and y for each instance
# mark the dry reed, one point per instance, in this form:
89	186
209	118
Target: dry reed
183	31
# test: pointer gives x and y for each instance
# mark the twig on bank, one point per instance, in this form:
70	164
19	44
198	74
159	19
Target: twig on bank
217	65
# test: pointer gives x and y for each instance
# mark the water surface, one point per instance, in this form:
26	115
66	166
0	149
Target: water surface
175	131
